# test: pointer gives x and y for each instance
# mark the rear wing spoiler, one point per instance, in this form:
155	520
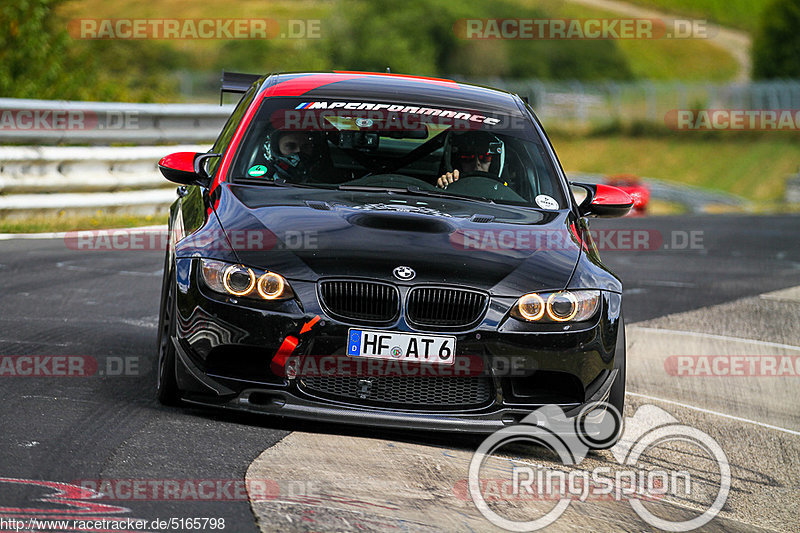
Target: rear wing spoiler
236	82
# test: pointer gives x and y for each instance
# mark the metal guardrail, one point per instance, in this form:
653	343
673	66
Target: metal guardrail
560	104
792	194
85	179
47	122
564	104
38	178
50	169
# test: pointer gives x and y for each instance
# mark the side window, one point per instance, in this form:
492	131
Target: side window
226	135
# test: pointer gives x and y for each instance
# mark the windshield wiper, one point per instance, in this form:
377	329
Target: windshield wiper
243	180
278	183
370	188
414	189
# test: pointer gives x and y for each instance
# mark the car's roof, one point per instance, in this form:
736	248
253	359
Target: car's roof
389	88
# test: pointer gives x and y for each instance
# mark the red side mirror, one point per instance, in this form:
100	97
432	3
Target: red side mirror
179	167
604	201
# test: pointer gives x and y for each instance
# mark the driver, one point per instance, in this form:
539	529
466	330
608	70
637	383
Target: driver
290	155
471	152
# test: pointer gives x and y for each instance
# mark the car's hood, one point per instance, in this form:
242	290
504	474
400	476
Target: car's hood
309	234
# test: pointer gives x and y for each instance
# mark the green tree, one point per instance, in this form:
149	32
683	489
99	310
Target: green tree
34	57
39	59
776	47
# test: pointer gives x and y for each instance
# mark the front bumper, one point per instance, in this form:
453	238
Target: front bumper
224	350
285	404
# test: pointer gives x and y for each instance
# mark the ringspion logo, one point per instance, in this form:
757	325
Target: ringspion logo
571	438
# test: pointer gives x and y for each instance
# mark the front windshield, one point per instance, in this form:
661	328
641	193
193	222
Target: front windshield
414	148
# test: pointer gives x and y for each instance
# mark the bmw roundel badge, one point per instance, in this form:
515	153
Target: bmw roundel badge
404	273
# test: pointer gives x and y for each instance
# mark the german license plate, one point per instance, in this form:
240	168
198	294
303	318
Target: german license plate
438	349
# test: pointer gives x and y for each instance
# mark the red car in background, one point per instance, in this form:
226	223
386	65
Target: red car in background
632	185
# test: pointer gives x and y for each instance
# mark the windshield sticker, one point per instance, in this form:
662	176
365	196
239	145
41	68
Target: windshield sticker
399	108
257	170
546	202
331	116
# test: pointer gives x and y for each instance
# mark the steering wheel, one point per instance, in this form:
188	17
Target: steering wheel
390	180
477	184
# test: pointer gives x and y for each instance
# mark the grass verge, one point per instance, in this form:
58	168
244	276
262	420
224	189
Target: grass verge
657	59
741	14
54	223
754	168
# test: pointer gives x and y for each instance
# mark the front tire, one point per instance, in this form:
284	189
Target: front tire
616	396
167	391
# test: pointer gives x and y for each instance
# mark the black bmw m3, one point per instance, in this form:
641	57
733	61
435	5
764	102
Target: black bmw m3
386	250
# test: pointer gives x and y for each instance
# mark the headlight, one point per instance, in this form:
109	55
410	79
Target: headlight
531	307
563	306
239	280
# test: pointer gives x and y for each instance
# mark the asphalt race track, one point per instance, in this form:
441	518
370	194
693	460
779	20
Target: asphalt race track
726	282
